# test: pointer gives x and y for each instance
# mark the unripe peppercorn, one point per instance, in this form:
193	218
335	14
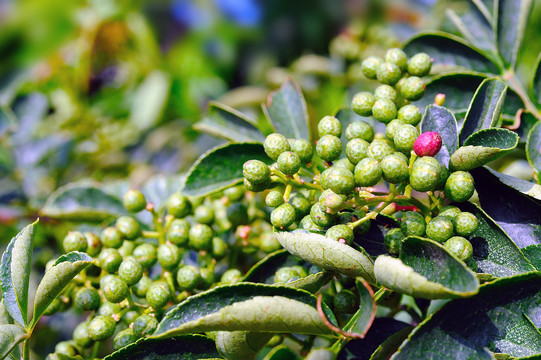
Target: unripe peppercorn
285	275
141	287
460	247
329	147
219	248
231	276
425	174
303	148
388	73
109	260
392	127
204	214
413	223
188	277
108	309
379	149
404	138
332	201
439	229
94	244
87	299
308	224
168	256
283	216
200	237
386	92
360	130
301	205
465	223
398	57
101	328
123	338
275	144
370	66
394	168
145	254
329	125
320	216
66	348
409	114
234	193
427	144
178	231
384	111
178	205
413	88
419	64
340	233
128	227
256	172
345	302
111	237
81	335
356	150
115	290
134	201
344	163
339	180
289	162
130	271
158	295
449	211
368	172
393	241
363	102
459	186
145	325
75	241
274	198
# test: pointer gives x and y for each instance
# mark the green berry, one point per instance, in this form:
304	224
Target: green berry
442	179
101	328
130	271
66	348
397	57
81	335
108	309
289	163
94	244
283	216
425	175
127	248
320	216
413	88
256	172
115	290
329	125
345	302
459	186
339	180
303	148
413	223
75	241
237	214
363	102
449	211
268	243
87	298
145	254
384	111
178	231
379	149
404	138
129	317
308	224
329	147
134	201
178	205
207	278
391	128
419	64
439	229
145	325
394	168
386	92
111	237
109	260
388	73
123	338
344	163
370	66
285	275
53	307
356	150
393	241
275	144
168	256
332	201
128	227
231	276
409	114
234	193
274	198
140	289
188	277
158	295
340	233
465	223
460	247
301	205
219	248
256	187
204	214
360	130
368	172
200	237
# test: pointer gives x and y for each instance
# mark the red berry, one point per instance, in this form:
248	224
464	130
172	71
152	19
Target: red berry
427	144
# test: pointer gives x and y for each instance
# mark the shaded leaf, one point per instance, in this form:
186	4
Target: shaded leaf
286	110
391	344
527	122
282	352
474	27
363	318
246	306
263	271
496	318
373	240
15	274
221	167
511	20
223	121
535	84
425	269
533	148
533	254
10	336
482	147
527	188
149	100
442	121
485	107
241	344
56	279
328	254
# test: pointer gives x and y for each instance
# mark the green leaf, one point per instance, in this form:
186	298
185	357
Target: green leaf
186	347
493	250
391	344
475	27
282	352
525	187
535	85
84	202
441	120
482	147
263	271
511	20
328	254
241	344
15	274
425	269
56	279
533	253
228	123
496	318
485	107
364	317
221	167
149	100
286	110
533	148
450	53
10	336
246	306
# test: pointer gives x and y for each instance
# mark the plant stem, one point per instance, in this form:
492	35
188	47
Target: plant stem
95	350
26	349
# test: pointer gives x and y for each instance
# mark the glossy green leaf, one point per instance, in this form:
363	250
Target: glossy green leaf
493	250
450	53
5	318
474	26
228	123
363	318
485	107
535	84
533	148
286	110
525	187
263	271
56	279
241	344
533	254
10	336
186	347
497	318
425	269
328	254
282	352
246	306
442	121
391	344
221	167
15	274
482	147
82	202
149	100
517	213
511	21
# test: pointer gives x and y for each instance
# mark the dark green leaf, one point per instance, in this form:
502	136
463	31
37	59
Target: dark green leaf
246	306
441	120
264	270
391	344
372	241
241	344
474	27
328	254
533	148
186	347
286	110
482	147
511	106
496	318
533	253
425	269
517	213
10	336
485	107
449	53
5	318
511	20
15	274
527	188
364	317
221	167
282	352
56	279
82	202
228	123
536	80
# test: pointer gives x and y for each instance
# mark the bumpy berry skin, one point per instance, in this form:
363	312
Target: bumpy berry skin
370	66
204	214
427	144
398	57
409	114
275	144
80	335
419	64
320	216
256	187
360	130
379	149
459	186
289	162
231	276
130	271
123	338
274	198
368	172
75	241
145	325
339	180
460	247
219	248
329	125
388	73
386	92
108	309
256	172
285	275
439	229
200	237
101	328
109	260
332	201
128	227
134	201
283	216
345	302
145	254
178	231
395	169
425	174
393	241
234	193
111	237
442	179
94	244
168	256
115	290
303	148
87	299
344	163
404	138
308	224
301	205
329	147
188	277
66	348
413	88
340	232
413	223
140	289
465	223
449	211
158	295
356	150
363	102
391	128
178	205
384	111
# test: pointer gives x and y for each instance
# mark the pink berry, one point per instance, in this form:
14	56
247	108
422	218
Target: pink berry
427	144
